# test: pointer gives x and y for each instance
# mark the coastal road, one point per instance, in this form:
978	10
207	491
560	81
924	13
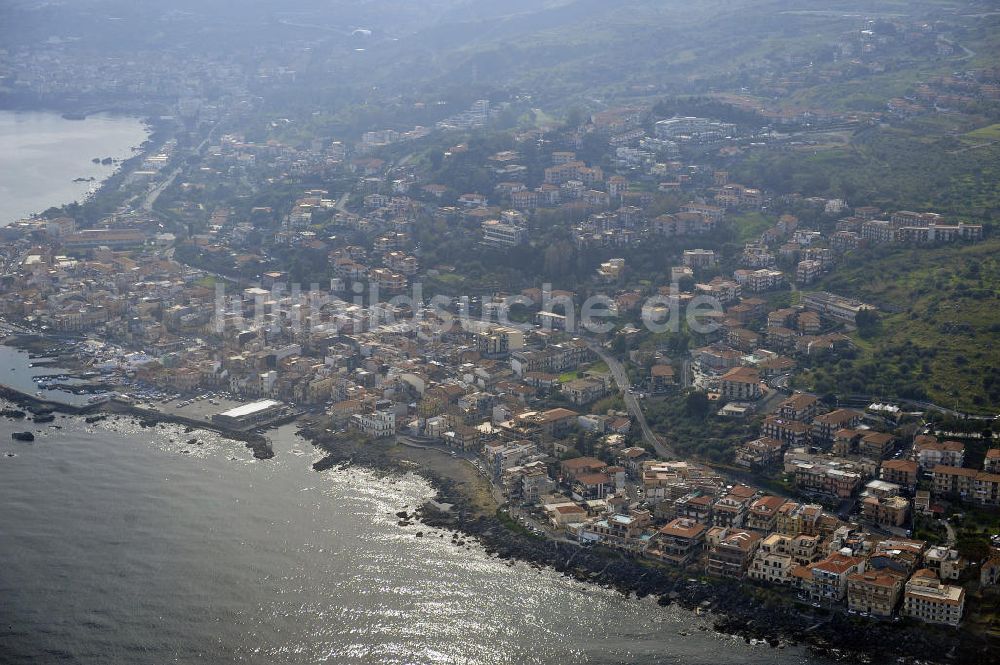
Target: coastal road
632	402
150	199
154	193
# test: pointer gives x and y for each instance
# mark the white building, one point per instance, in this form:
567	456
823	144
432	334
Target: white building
499	234
377	424
698	258
928	600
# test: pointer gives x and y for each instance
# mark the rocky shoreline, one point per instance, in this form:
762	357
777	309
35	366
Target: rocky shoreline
743	609
41	350
257	443
746	610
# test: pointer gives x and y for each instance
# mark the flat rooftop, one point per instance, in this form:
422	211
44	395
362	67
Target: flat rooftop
248	409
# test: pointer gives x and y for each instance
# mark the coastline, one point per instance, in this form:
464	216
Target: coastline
738	608
464	504
42	346
89	208
259	444
76	106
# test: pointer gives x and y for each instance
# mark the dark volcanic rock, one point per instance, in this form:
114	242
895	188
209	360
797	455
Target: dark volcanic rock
737	608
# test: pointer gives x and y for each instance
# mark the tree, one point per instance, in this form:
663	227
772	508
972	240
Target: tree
975	548
869	323
697	404
436	157
573	118
619	345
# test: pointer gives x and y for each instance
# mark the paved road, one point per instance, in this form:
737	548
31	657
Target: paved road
149	200
872	399
952	536
772	400
632	403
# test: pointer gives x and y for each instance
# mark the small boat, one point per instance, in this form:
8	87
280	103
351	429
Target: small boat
22	436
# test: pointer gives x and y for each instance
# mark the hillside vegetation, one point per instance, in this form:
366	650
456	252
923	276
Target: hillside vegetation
937	336
919	166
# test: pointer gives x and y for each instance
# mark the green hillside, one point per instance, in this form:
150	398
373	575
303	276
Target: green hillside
943	165
937	336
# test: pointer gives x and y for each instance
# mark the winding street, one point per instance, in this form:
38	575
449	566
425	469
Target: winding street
952	536
632	403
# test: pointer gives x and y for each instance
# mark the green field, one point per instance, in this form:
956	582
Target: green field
749	225
942	165
989	133
937	338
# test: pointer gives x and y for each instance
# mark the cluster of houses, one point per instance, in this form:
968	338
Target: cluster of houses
368	366
607	210
751	344
960	90
688	518
839	453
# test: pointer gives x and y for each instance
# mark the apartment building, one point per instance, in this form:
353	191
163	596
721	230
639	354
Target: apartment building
930	452
874	592
826	581
760	453
827	478
808	271
886	511
945	562
498	234
826	425
620	531
928	600
762	514
789	432
698	258
833	306
795	518
732	554
741	384
679	542
953	480
902	472
771	563
991	463
800	406
377	424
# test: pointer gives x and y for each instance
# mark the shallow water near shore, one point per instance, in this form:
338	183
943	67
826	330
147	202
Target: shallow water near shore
18	371
124	544
42	153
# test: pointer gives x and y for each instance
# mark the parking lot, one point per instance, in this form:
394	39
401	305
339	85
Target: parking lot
200	408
